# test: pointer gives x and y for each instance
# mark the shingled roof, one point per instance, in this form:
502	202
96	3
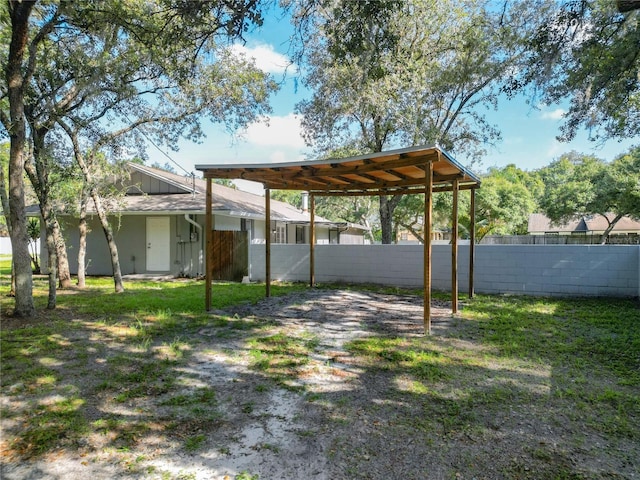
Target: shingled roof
540	223
187	194
225	199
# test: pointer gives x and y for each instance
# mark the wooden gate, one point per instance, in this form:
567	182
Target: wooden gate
230	255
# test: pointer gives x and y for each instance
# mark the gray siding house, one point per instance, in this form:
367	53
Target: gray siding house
159	225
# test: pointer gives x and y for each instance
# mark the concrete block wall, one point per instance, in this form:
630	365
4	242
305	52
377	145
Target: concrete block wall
585	270
563	270
5	246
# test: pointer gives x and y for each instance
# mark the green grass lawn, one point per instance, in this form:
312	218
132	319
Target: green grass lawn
566	364
5	265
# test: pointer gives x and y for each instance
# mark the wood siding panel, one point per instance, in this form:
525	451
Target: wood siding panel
230	255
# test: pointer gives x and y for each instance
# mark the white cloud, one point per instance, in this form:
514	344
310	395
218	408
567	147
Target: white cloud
279	132
555	150
265	57
553	115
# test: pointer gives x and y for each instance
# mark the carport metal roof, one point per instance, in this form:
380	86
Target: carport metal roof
394	171
421	169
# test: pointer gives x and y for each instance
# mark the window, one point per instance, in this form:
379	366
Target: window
279	233
334	236
300	236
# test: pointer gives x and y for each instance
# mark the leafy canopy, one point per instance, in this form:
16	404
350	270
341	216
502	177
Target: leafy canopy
588	52
389	73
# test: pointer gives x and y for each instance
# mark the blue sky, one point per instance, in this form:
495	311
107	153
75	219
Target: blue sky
528	134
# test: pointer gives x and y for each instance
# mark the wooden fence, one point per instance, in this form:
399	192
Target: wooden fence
559	240
230	255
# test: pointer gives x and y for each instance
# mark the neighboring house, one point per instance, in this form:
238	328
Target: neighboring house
592	225
159	225
406	237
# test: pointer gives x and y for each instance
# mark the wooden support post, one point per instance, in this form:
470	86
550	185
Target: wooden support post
267	252
472	240
427	246
454	249
208	222
312	240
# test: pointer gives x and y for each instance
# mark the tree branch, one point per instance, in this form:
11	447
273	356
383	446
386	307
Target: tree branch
45	30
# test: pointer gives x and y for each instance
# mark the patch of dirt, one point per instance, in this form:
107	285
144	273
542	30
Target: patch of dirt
339	417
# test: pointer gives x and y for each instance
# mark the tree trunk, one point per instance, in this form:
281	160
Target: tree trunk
38	176
38	171
367	225
56	245
47	215
4	199
34	257
414	232
20	12
64	272
82	243
612	224
53	264
108	232
385	220
387	207
12	290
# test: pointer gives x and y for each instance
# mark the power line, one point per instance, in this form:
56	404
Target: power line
191	174
141	130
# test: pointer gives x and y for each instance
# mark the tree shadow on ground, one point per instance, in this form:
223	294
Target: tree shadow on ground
469	400
109	393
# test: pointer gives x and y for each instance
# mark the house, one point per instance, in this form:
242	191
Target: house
405	237
159	223
591	225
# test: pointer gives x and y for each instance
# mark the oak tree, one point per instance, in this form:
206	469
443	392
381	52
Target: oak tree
587	52
394	73
579	185
103	72
17	78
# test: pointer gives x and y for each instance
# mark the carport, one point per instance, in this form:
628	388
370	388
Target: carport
413	170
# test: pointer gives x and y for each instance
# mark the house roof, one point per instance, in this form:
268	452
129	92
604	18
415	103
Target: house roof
226	201
393	171
539	222
598	223
187	183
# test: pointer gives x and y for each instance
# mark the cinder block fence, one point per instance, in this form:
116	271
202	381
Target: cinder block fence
560	270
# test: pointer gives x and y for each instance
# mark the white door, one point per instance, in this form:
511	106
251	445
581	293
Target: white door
158	244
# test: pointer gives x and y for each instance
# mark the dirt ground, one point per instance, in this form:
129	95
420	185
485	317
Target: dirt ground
339	418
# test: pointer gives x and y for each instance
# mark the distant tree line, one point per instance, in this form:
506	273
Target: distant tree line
572	186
